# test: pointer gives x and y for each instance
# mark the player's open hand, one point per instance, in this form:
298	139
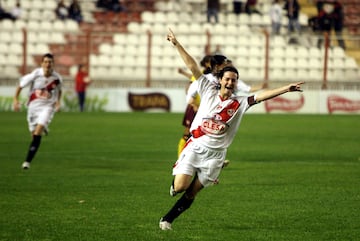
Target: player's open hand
16	106
57	106
296	86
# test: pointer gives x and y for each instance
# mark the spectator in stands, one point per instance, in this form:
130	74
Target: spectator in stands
238	6
75	11
319	5
213	8
251	7
4	14
275	13
338	23
61	10
331	17
292	8
111	5
100	4
81	82
119	6
16	11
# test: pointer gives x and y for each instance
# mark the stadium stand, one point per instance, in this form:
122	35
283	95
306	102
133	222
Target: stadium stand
116	47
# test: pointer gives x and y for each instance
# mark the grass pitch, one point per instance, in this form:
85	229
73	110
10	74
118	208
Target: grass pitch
105	177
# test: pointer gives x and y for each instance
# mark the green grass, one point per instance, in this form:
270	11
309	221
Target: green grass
105	176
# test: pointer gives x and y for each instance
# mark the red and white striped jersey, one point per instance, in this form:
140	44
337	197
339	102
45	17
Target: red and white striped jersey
44	91
218	120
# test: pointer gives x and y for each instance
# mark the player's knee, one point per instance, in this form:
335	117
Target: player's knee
180	187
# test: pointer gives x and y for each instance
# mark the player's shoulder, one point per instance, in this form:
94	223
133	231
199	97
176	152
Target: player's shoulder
240	96
57	75
33	74
37	71
245	99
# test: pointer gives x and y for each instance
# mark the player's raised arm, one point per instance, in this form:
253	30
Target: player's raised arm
268	94
188	60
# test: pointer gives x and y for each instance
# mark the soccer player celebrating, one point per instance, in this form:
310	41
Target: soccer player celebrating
44	100
213	130
209	63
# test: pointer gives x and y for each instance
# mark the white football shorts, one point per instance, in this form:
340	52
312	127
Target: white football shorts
206	162
39	115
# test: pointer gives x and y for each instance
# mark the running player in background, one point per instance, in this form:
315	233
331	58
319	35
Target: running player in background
213	130
44	101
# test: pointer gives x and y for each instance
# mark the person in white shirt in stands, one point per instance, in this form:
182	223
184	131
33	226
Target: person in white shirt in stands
276	12
213	130
44	101
16	11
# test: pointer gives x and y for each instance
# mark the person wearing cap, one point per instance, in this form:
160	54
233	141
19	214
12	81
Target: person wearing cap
213	130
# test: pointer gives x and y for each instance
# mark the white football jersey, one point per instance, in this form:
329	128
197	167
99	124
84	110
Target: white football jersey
217	120
44	91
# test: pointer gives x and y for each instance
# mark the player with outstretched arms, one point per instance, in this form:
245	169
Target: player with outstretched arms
213	130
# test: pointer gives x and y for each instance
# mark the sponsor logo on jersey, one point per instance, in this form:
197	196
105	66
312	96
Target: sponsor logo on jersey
213	126
44	93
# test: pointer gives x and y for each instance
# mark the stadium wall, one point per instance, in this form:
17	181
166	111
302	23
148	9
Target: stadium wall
173	100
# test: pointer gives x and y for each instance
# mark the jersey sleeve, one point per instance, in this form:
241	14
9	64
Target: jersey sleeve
192	91
27	79
252	100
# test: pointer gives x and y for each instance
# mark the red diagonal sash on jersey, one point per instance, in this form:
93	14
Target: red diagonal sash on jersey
224	115
49	87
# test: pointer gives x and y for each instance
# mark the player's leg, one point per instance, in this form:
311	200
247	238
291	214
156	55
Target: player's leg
183	172
38	122
81	96
181	182
34	146
181	205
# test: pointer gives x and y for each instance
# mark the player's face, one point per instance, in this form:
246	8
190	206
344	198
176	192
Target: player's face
228	83
47	65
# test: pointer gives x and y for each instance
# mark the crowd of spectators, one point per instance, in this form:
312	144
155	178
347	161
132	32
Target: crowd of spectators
330	15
